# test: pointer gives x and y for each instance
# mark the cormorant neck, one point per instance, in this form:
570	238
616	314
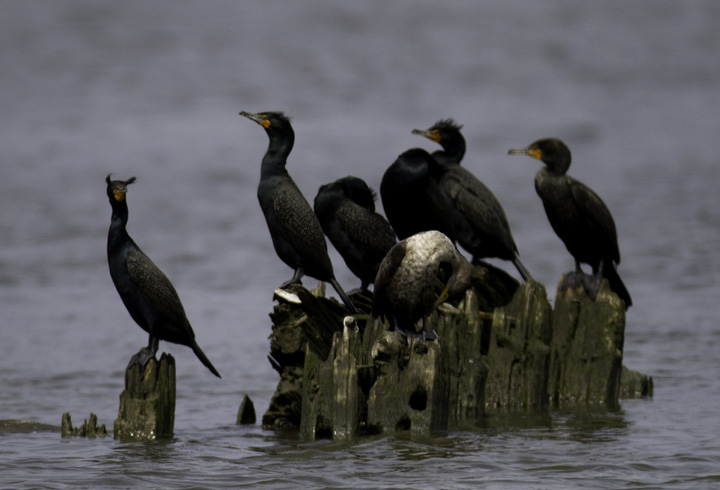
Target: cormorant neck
277	153
453	149
557	167
118	222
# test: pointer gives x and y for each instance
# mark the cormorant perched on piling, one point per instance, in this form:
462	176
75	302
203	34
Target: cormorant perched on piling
416	276
147	293
481	226
295	230
412	200
346	210
578	216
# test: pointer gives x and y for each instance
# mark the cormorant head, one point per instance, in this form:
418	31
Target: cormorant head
445	132
551	151
358	192
116	189
349	187
273	122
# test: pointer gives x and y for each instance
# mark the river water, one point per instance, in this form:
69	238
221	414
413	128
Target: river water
153	89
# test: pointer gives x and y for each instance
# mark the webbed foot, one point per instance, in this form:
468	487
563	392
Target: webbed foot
141	358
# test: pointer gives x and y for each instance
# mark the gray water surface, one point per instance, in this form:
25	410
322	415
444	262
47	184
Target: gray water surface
153	89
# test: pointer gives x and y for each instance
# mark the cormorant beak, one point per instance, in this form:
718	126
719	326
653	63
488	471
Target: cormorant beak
530	151
431	134
261	119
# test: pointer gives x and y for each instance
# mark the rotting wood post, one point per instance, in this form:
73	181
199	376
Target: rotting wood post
587	349
519	353
147	405
411	390
332	402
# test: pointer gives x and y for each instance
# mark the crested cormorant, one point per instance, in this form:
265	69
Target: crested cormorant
295	230
417	275
412	200
481	226
147	293
346	210
578	216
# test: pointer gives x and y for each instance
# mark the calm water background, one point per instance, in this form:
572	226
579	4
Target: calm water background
153	88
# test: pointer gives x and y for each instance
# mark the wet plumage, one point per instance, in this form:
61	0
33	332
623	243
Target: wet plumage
147	293
412	200
346	210
481	226
578	216
417	275
294	228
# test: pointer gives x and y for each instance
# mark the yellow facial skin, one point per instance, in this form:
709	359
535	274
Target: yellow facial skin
535	153
119	194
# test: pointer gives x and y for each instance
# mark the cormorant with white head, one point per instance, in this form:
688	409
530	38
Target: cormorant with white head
481	226
147	293
578	216
295	230
416	276
346	210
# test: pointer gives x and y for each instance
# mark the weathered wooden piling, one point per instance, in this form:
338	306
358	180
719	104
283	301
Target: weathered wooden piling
246	412
89	428
147	405
587	348
501	351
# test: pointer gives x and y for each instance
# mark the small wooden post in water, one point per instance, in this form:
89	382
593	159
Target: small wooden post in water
147	405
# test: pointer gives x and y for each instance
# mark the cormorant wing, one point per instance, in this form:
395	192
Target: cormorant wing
365	230
385	274
155	286
299	224
597	216
476	202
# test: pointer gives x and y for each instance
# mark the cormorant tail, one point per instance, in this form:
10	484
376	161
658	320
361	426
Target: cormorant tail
521	269
203	358
349	304
616	285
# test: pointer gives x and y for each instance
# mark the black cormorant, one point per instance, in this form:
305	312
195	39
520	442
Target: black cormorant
416	276
295	230
447	134
578	216
346	210
481	226
147	293
412	200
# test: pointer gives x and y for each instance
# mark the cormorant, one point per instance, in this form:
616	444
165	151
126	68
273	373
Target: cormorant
412	200
295	230
346	210
578	216
147	293
481	226
416	276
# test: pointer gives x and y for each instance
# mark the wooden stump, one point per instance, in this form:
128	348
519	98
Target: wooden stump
587	348
147	405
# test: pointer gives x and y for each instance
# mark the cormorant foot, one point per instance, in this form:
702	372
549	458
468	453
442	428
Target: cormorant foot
572	280
591	284
291	281
141	358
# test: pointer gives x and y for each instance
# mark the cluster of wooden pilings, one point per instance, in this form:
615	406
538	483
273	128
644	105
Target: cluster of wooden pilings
502	351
